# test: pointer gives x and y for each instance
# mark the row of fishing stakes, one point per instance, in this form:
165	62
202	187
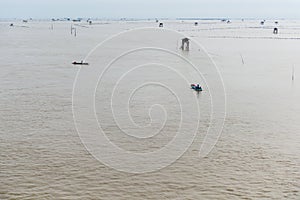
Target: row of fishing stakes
73	30
275	30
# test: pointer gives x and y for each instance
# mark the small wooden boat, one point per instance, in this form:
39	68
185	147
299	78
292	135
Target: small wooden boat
196	87
79	63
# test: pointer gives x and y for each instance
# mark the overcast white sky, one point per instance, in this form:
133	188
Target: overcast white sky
150	8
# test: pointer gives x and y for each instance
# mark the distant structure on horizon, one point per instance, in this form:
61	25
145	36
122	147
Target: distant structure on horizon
62	19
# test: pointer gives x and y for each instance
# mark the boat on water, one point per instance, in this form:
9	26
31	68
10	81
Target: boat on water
80	63
196	87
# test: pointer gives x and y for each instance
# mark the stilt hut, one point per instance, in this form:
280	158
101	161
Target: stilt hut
185	44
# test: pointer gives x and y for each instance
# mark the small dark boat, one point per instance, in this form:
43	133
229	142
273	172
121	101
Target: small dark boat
196	87
79	63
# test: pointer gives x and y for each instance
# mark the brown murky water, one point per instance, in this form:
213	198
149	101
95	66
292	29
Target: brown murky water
256	157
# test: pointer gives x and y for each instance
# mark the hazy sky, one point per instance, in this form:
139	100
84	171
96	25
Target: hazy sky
150	8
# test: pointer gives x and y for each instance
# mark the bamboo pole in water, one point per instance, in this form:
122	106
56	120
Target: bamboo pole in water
293	74
242	59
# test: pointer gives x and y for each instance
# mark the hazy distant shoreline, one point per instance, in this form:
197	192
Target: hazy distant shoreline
138	19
